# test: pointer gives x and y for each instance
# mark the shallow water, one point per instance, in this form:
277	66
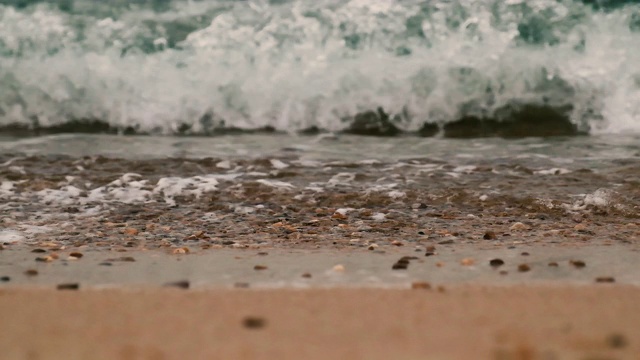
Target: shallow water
592	149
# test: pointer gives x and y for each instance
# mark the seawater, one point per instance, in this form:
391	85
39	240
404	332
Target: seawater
177	66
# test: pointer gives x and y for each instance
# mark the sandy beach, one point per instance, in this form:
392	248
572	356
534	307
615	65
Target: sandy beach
461	322
294	259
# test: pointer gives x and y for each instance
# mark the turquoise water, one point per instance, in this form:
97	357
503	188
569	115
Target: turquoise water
194	67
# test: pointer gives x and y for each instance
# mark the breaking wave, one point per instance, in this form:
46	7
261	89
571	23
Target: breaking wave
463	68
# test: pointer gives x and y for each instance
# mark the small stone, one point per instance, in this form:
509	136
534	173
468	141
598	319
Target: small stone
338	268
580	227
182	284
421	285
397	243
339	216
68	286
579	264
429	253
553	264
524	268
439	264
605	279
263	253
489	235
467	261
31	272
400	266
617	341
260	267
496	262
38	251
503	272
518	227
252	322
525	254
182	250
105	264
306	275
126	259
373	246
75	255
446	242
431	248
131	231
47	258
5	279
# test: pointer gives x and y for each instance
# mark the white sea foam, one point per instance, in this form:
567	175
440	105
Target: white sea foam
296	64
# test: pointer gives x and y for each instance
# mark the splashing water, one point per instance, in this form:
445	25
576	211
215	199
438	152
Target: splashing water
192	66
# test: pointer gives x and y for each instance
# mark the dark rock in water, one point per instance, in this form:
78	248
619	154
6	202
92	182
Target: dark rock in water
312	130
428	130
516	121
372	123
81	126
470	127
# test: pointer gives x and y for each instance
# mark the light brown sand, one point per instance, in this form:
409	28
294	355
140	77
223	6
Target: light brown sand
600	321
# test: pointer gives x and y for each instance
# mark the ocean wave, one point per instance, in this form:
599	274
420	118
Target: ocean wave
456	68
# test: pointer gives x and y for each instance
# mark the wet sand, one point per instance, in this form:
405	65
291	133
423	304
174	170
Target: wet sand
290	258
465	322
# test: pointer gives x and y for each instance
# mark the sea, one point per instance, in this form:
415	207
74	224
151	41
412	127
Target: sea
259	107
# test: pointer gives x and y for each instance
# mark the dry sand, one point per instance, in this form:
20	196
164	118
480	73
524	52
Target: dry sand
598	321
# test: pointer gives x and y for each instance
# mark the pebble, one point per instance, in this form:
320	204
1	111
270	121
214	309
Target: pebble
260	267
183	250
182	284
467	261
524	268
306	275
373	246
605	279
400	266
131	231
421	285
578	263
38	251
489	235
68	286
518	227
397	243
75	256
496	262
31	272
617	341
5	279
553	264
580	227
252	322
47	258
338	268
525	254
